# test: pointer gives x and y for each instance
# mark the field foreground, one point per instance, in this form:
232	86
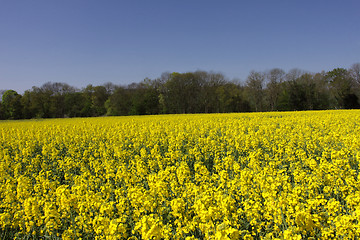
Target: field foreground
219	176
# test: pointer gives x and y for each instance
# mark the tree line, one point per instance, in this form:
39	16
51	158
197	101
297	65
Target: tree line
191	92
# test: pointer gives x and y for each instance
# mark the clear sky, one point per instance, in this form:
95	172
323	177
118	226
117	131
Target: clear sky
83	42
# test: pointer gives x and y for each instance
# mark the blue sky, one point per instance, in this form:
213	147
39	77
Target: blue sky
83	42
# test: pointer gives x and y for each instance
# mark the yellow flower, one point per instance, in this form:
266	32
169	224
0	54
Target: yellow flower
284	175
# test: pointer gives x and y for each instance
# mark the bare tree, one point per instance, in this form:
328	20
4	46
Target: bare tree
274	78
294	74
355	72
254	89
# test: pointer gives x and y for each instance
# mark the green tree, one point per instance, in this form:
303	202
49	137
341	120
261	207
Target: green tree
58	93
38	102
341	86
95	98
74	104
298	96
231	98
146	98
11	105
303	92
209	89
119	103
26	101
182	93
2	116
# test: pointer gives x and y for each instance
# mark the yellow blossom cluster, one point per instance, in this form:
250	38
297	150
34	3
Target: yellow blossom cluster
208	176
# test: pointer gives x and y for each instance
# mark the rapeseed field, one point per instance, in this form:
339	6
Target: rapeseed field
208	176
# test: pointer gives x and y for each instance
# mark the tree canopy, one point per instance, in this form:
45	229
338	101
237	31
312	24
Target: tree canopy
190	92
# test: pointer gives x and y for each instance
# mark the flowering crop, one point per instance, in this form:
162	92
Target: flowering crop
217	176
